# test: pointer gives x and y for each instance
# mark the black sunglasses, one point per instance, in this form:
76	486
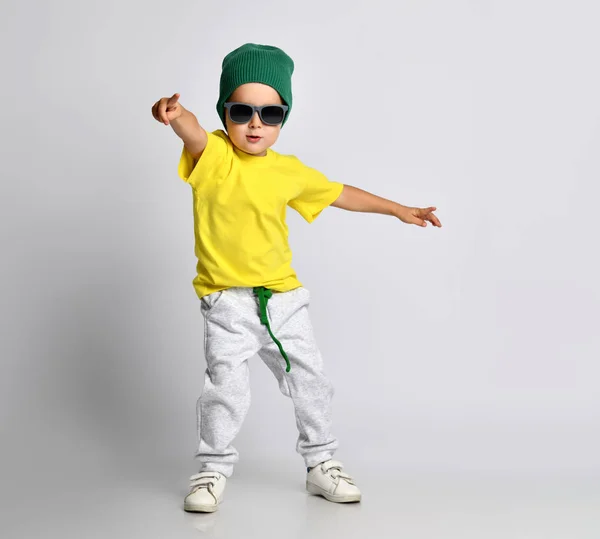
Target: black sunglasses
242	113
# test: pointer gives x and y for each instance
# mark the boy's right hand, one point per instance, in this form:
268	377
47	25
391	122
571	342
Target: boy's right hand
167	109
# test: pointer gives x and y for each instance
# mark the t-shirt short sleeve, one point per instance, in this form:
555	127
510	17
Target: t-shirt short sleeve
318	193
213	157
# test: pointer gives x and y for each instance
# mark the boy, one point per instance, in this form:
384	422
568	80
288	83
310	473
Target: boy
251	298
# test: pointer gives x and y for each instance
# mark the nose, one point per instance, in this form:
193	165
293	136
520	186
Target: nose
255	120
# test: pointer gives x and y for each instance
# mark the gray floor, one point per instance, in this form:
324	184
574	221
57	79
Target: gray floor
268	500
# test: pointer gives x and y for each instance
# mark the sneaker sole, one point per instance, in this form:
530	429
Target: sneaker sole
314	489
200	508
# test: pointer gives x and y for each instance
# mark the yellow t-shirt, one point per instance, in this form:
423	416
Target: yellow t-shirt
240	205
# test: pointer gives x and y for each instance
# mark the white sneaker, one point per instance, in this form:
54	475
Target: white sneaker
206	492
328	480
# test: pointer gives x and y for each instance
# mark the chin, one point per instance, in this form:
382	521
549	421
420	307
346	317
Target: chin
253	150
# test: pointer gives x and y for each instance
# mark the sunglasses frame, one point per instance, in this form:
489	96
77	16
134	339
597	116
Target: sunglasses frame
256	109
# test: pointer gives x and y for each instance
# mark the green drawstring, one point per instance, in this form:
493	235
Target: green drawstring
264	294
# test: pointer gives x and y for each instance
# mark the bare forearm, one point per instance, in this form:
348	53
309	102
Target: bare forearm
355	199
190	131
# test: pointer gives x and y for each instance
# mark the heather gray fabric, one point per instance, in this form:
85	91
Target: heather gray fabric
233	334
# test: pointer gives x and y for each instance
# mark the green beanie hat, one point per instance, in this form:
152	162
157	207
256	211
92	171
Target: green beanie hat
256	63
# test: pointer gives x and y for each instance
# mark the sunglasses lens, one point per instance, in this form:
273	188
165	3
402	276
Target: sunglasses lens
272	115
240	114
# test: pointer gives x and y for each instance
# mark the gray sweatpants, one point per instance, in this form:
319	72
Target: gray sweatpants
233	334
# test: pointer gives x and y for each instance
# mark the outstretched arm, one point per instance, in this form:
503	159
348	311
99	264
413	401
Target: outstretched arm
355	199
169	111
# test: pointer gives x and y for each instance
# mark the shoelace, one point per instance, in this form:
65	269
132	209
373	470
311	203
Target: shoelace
202	480
334	469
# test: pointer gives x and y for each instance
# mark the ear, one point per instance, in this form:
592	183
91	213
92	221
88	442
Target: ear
226	122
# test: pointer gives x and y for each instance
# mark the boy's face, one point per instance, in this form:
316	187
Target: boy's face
254	93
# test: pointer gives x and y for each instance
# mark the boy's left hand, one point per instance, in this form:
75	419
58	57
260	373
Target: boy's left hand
418	216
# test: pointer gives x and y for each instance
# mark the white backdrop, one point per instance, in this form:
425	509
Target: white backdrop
474	347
